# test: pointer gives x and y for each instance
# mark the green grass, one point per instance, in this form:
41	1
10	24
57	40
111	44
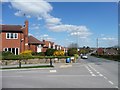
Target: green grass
44	66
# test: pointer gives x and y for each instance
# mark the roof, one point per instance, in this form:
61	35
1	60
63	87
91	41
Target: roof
33	40
111	50
46	43
14	28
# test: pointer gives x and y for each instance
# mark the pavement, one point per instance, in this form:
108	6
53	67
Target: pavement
85	73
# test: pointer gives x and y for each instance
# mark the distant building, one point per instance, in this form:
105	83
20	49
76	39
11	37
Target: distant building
100	51
34	44
47	44
111	51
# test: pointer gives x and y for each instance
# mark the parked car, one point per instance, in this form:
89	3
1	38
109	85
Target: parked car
84	57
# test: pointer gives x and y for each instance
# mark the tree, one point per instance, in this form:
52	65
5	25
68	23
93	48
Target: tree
49	52
72	51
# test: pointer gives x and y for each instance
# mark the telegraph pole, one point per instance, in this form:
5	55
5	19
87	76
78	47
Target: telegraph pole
97	43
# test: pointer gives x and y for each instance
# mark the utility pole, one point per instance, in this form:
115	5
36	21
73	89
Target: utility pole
78	41
97	43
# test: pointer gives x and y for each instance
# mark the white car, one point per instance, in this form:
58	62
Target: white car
84	57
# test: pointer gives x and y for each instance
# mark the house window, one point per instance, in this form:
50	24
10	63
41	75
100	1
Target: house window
11	35
13	50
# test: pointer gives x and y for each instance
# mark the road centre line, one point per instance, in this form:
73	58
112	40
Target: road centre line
95	70
111	82
102	75
90	71
105	77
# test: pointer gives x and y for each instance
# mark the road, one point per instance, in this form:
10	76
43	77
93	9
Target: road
86	73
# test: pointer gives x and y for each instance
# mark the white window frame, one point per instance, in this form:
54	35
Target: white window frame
11	50
10	35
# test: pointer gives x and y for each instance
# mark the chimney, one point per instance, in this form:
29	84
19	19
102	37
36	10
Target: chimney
26	35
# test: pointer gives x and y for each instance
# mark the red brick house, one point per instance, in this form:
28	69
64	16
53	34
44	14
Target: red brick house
14	38
100	51
48	44
34	44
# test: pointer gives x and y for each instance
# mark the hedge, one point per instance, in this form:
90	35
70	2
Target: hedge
19	57
110	57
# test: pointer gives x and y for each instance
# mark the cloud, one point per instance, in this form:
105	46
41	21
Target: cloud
4	1
30	34
108	38
35	27
45	37
38	8
53	21
41	10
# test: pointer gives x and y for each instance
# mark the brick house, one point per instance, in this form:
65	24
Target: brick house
34	44
14	38
47	44
100	51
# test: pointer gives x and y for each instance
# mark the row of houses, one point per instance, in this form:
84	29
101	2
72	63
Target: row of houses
15	39
107	51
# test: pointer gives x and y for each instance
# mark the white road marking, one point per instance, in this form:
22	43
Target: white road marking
92	68
53	71
111	82
90	71
95	70
98	72
93	75
116	86
65	66
102	75
105	77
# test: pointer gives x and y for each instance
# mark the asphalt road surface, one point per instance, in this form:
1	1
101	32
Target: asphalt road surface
85	73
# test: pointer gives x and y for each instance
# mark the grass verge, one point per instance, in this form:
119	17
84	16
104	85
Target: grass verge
44	66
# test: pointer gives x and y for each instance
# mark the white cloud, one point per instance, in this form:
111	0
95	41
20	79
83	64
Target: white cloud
45	37
30	34
4	1
53	21
108	38
38	8
35	27
41	10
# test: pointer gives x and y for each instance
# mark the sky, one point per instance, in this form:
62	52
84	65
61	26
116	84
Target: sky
66	22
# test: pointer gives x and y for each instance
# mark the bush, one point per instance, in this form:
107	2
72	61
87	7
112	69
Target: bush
49	52
38	54
26	53
6	53
41	54
72	51
76	56
59	53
